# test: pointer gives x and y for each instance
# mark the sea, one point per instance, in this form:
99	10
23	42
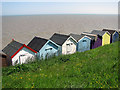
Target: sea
23	28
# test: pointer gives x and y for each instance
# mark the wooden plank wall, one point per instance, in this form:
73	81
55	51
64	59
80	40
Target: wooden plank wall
4	60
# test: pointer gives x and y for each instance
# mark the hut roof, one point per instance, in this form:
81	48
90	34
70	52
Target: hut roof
59	38
12	47
98	32
76	36
110	31
86	32
37	43
91	36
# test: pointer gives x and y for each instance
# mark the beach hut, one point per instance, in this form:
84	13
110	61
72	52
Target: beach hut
105	35
114	35
18	53
96	40
4	60
83	42
68	43
45	48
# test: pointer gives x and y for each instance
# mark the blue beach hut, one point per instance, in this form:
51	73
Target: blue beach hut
45	48
83	42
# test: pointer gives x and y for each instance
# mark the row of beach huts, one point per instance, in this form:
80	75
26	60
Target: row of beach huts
18	53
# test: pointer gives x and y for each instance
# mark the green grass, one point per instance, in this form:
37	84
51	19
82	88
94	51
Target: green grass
96	68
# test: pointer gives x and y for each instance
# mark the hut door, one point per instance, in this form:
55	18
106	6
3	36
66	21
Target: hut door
68	48
84	45
22	58
48	52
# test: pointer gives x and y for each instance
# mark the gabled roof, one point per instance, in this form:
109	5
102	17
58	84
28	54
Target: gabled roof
12	47
76	36
59	38
37	43
86	32
110	31
98	32
90	35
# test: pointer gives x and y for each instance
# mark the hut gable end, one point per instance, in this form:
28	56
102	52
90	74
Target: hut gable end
76	36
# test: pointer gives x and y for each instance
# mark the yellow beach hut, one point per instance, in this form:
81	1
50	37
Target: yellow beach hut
104	34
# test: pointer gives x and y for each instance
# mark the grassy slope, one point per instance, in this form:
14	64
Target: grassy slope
94	68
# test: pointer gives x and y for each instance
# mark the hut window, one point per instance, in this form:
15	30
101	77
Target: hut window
69	44
48	49
84	41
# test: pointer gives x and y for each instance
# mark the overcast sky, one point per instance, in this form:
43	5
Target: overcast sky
51	7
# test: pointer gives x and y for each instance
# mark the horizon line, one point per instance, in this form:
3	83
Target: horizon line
57	14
